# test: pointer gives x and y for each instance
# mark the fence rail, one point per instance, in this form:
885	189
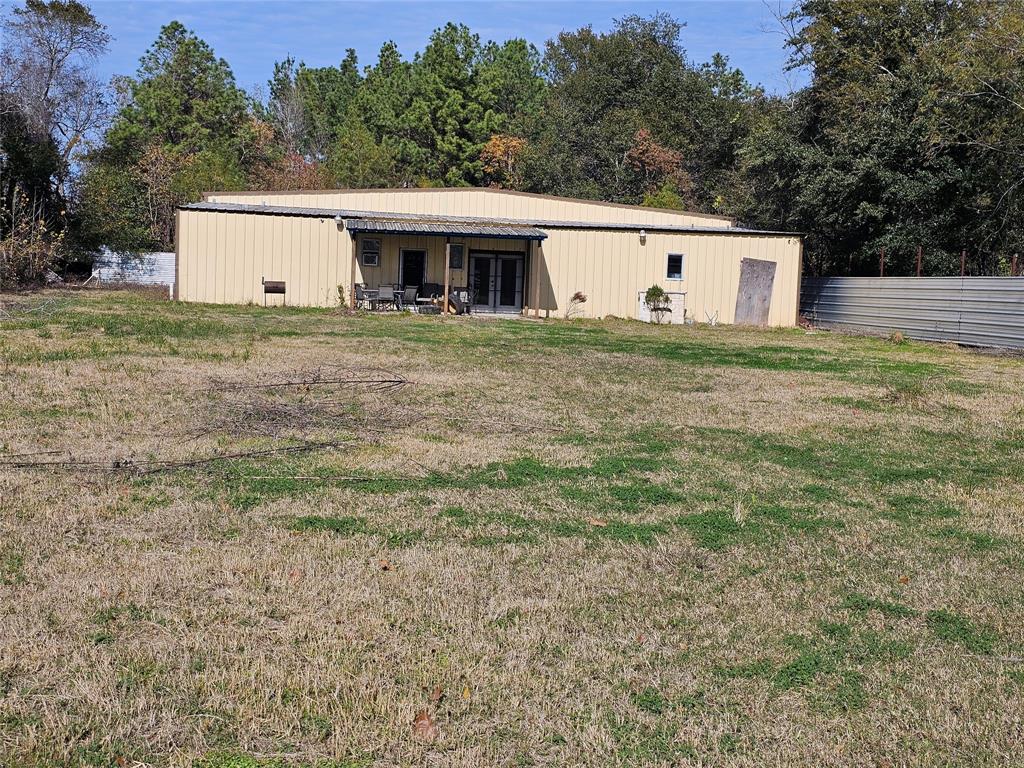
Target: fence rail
977	311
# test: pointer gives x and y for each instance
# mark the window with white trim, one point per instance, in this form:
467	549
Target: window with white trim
370	253
675	267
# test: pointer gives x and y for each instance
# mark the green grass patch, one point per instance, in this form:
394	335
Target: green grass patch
910	508
826	663
650	700
242	760
859	603
343	526
972	540
642	494
12	568
866	457
719	528
847	695
637	743
403	539
955	628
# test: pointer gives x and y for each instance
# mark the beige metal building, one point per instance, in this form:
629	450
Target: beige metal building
508	251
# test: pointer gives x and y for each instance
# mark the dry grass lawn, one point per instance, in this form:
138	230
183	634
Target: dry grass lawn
556	543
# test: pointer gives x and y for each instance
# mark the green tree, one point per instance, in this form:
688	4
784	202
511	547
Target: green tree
899	140
183	129
357	160
433	116
606	90
183	97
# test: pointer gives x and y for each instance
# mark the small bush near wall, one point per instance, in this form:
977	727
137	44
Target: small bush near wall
659	303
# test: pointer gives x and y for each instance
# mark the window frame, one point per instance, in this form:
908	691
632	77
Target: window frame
461	256
668	266
364	252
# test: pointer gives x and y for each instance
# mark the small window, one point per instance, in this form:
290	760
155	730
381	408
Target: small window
675	266
456	256
371	253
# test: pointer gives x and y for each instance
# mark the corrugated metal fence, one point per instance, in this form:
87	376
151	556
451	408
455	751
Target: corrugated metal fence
978	311
137	268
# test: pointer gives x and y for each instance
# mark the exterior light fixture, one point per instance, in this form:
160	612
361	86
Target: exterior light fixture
339	221
643	237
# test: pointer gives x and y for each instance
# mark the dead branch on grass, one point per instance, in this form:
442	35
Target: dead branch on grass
323	376
266	409
19	310
157	466
254	414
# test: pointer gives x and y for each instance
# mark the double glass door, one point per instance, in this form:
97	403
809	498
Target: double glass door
496	281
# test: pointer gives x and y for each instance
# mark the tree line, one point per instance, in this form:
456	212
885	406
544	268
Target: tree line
909	133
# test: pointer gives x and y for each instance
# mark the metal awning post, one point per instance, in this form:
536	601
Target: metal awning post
447	269
535	257
352	282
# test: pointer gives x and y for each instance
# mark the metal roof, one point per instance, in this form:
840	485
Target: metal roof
476	221
273	210
489	190
458	229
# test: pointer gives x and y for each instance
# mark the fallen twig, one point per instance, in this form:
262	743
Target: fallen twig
152	467
384	380
1005	659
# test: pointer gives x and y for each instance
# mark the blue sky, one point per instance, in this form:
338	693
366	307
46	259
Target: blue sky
252	34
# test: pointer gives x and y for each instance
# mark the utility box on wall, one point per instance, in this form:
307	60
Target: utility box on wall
677	304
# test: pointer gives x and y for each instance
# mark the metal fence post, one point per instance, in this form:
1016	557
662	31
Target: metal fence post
963	263
881	263
919	261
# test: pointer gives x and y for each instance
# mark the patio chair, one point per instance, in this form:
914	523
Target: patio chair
387	295
408	296
362	300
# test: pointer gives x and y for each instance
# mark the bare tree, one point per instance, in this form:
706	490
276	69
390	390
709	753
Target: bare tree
45	73
286	107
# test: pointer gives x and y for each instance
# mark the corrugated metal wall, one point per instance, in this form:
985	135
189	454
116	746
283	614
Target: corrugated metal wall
155	268
611	267
222	256
979	311
470	201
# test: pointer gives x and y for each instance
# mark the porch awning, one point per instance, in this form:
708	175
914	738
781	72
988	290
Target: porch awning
447	228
